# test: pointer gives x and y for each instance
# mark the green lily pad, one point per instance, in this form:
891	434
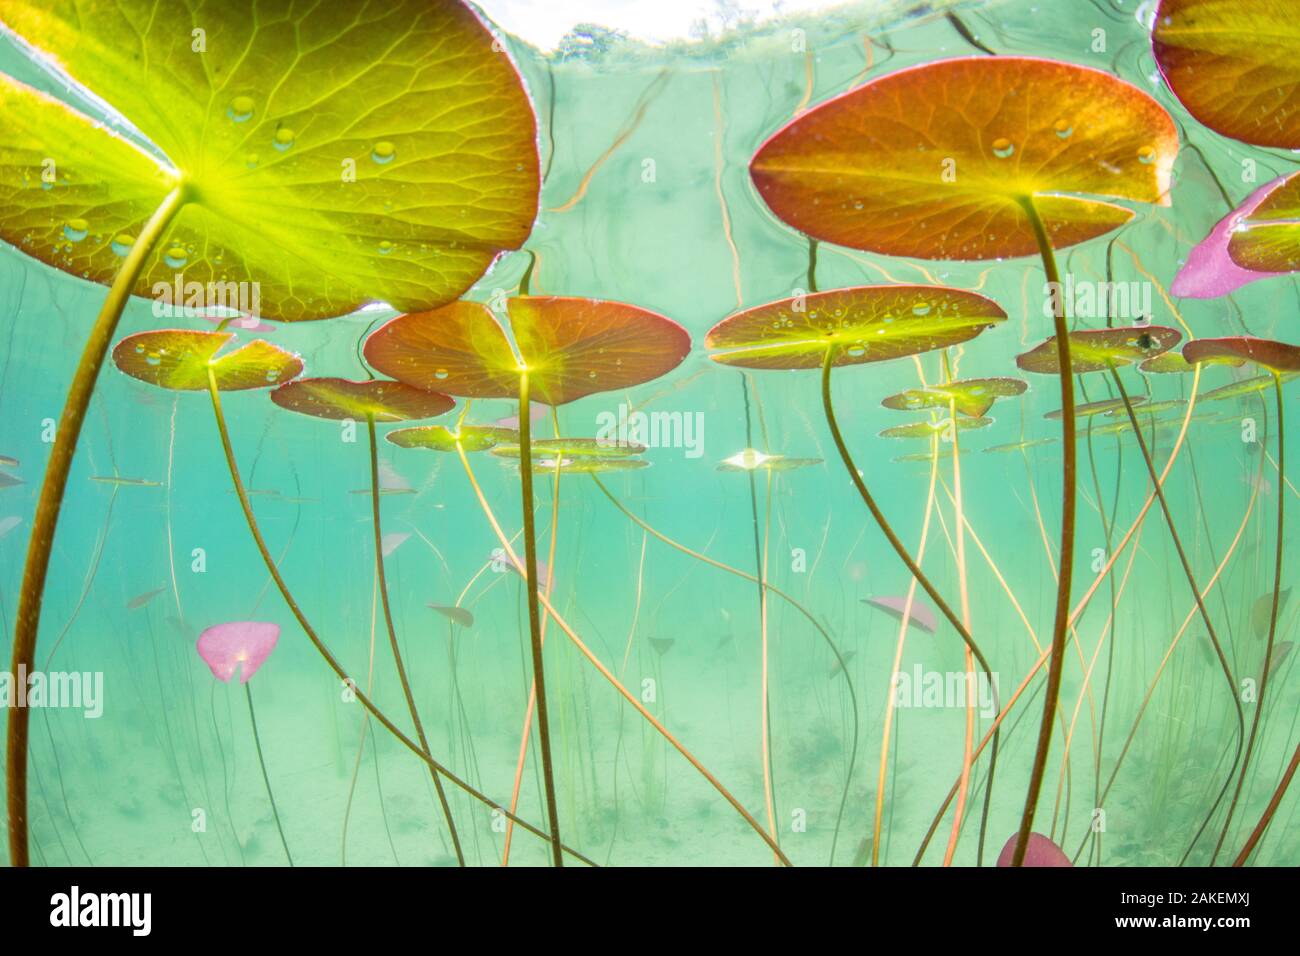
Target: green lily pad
1247	386
339	398
440	438
571	348
1022	445
936	161
942	454
972	396
1166	363
862	324
931	429
573	448
1094	350
751	459
1103	407
330	157
1235	66
588	466
1267	353
1267	239
179	359
1148	408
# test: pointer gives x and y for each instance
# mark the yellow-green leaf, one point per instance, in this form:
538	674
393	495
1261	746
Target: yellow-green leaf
180	358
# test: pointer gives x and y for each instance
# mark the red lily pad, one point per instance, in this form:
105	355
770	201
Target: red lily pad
861	324
1266	237
1235	66
180	358
1093	350
1272	355
936	161
1039	851
973	396
1103	407
440	438
571	348
930	429
340	398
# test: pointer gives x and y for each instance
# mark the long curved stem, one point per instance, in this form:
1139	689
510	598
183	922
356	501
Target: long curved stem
266	777
535	616
392	638
325	652
1200	604
901	550
1276	799
1061	624
46	519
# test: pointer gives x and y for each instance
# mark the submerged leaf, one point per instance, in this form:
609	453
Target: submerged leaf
140	600
573	448
1268	353
1267	238
1261	612
920	616
1247	386
1210	270
588	466
973	396
1235	66
454	613
861	324
936	161
1105	406
751	459
440	438
1022	445
332	155
339	398
571	348
180	358
392	541
929	429
1093	350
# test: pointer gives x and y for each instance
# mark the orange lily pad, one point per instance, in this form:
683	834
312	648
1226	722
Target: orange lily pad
1104	407
861	324
573	448
1235	66
930	429
936	161
1095	349
1269	353
440	438
180	358
751	459
571	348
1267	238
343	399
972	396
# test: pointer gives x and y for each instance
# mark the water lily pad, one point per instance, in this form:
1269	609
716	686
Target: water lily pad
333	157
1103	407
921	616
943	454
1039	851
1166	363
454	613
237	645
1093	350
573	448
1261	612
588	466
1148	408
1235	66
751	459
571	347
972	396
931	429
936	160
1247	386
1022	445
861	324
1266	238
1268	353
180	358
440	438
122	481
340	398
1210	270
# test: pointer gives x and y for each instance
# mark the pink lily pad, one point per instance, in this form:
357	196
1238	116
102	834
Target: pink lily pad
242	645
1040	852
1209	271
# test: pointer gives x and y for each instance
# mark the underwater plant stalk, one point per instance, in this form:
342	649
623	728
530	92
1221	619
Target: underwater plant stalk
901	550
534	613
46	519
1061	624
835	651
266	777
1276	799
392	638
325	652
1200	605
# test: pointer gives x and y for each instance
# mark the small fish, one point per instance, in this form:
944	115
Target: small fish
8	524
454	613
835	668
9	461
662	644
131	482
8	481
1261	611
724	640
921	616
394	540
140	600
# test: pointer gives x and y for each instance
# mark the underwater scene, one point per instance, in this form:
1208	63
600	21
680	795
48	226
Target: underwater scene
587	434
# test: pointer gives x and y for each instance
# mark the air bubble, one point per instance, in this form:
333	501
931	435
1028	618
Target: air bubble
440	373
1063	128
1003	147
240	109
122	244
283	138
1147	155
383	152
75	229
176	257
385	247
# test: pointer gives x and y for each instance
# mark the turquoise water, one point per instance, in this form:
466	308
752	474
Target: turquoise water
647	200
